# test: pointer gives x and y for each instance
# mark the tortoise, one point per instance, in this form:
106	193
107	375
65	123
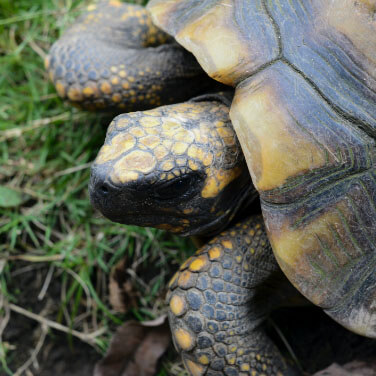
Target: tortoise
303	110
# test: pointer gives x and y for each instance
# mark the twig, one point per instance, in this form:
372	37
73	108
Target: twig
37	50
3	262
26	269
29	16
18	131
288	347
88	338
47	97
5	318
34	354
32	258
71	170
47	282
44	228
134	276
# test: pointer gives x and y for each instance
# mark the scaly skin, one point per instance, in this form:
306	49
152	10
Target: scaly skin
113	58
176	167
219	299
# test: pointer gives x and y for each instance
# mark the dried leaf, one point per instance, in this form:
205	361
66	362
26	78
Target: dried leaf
355	368
135	349
123	295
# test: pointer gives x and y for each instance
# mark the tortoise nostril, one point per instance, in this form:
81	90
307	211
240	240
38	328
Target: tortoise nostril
103	189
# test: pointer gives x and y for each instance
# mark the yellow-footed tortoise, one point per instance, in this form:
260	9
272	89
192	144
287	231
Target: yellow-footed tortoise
304	112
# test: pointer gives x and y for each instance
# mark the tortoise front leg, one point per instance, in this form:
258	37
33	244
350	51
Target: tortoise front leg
219	299
114	58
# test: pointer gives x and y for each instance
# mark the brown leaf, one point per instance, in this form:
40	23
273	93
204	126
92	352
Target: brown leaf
355	368
135	349
123	294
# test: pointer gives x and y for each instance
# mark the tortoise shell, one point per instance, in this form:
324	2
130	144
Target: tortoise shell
305	114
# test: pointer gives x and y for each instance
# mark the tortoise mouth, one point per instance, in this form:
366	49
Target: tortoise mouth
176	222
119	206
179	207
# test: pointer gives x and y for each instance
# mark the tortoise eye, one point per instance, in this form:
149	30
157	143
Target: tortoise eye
179	188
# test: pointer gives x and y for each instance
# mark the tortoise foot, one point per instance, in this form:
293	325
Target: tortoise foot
218	301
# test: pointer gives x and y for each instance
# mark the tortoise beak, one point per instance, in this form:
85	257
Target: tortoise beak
102	193
119	203
114	202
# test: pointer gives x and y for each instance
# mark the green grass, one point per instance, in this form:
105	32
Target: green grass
46	220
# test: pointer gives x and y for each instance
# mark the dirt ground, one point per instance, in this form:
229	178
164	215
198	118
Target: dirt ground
315	340
59	353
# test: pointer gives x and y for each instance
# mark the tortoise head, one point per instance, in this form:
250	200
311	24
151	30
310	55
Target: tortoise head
176	167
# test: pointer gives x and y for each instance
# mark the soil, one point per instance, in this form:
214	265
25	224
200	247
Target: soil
315	339
60	355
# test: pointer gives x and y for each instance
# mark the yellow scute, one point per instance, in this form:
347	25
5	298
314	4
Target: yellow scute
356	21
195	369
127	168
215	42
291	245
177	305
294	247
274	147
184	339
218	181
